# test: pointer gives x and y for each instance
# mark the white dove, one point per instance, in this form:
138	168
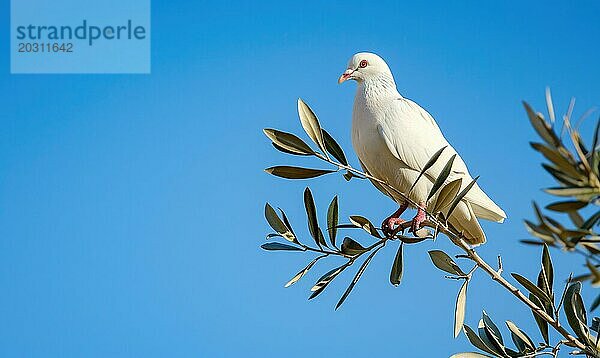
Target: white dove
394	138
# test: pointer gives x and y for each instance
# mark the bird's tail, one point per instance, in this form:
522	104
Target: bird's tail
495	214
483	206
464	220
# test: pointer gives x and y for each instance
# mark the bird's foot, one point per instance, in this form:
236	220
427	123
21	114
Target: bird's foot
390	225
418	219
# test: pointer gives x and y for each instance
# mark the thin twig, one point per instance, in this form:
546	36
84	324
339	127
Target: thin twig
470	273
557	348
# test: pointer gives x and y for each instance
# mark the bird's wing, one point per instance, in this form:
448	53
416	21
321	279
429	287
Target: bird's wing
412	135
380	187
422	113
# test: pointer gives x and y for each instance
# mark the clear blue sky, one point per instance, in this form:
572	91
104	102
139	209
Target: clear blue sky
131	206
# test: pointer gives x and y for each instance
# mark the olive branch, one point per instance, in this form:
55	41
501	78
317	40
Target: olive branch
539	297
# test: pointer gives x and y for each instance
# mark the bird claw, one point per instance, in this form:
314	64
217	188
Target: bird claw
417	221
390	226
414	227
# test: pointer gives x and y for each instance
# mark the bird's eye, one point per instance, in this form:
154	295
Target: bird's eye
363	64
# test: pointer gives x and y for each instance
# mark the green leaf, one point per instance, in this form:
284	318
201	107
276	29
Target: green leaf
351	247
397	266
575	311
548	269
554	156
357	277
595	327
327	277
553	225
520	338
278	225
347	226
325	280
532	242
428	165
543	129
276	246
566	206
332	220
460	196
311	214
441	179
288	142
365	224
459	310
529	286
589	223
595	273
549	105
412	240
574	236
541	283
595	304
311	125
595	153
447	195
492	327
539	232
576	218
538	212
287	223
302	272
541	323
582	278
560	176
582	193
282	149
289	172
469	355
591	247
442	261
490	339
348	175
579	149
475	340
334	148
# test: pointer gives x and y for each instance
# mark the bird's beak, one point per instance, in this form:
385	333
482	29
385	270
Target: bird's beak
346	75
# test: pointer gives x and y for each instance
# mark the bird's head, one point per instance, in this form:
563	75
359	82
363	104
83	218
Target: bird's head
365	66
